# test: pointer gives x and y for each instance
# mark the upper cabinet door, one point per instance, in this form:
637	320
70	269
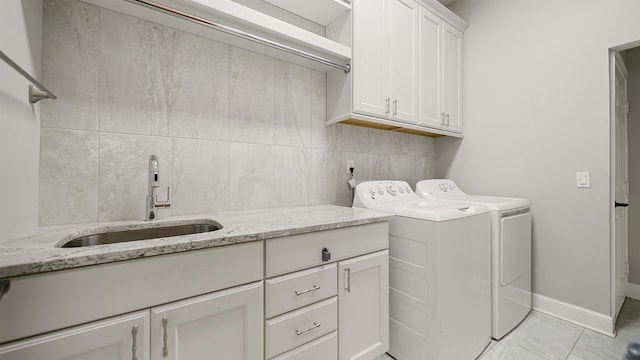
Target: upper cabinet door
370	54
452	78
431	112
223	325
403	60
122	337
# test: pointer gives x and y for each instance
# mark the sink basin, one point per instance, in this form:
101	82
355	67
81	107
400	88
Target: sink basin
145	233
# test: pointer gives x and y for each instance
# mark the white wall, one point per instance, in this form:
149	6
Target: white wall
536	110
20	39
632	60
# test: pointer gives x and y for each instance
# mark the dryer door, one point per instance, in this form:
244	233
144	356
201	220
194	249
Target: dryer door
515	247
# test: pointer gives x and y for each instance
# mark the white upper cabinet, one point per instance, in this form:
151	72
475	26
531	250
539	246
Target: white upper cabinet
403	60
452	78
385	60
430	64
370	58
406	73
440	73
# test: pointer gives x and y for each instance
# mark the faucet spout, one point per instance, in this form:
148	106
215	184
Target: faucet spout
154	183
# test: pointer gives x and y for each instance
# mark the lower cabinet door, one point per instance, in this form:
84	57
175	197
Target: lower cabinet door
324	348
363	303
122	337
223	325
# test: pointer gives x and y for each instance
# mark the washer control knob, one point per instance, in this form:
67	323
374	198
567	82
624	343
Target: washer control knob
408	190
391	190
443	187
372	191
381	191
401	189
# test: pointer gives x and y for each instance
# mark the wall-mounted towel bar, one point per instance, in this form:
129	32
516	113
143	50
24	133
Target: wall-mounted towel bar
239	33
37	91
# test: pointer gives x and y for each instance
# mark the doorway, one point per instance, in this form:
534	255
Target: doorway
625	222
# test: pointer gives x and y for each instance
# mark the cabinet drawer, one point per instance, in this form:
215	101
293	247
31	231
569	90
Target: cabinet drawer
297	252
289	292
293	329
324	348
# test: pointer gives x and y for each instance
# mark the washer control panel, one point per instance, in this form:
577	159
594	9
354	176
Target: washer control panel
369	193
438	186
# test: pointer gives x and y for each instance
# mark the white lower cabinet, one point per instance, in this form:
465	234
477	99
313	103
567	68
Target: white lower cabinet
223	325
226	324
122	337
363	300
350	293
326	298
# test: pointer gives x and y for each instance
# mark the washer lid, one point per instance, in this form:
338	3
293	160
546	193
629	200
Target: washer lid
432	210
447	190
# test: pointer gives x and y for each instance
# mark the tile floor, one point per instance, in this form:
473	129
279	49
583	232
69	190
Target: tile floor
543	337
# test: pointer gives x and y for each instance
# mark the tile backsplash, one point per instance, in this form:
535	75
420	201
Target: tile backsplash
232	129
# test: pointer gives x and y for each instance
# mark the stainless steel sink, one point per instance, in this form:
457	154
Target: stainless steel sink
145	233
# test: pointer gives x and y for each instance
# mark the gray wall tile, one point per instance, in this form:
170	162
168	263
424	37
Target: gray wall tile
68	176
200	91
70	64
135	75
251	174
292	122
200	177
292	171
251	97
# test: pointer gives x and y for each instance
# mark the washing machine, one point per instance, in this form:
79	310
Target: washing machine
511	251
439	273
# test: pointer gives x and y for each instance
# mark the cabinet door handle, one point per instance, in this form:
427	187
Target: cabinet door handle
447	119
442	119
300	332
165	349
134	347
395	107
314	288
347	272
387	106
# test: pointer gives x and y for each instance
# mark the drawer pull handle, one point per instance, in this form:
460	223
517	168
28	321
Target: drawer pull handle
134	347
300	332
165	349
347	271
314	288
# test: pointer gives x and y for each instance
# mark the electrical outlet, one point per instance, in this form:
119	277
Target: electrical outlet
350	164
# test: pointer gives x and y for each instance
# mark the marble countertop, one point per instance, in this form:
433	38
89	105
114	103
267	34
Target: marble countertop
38	252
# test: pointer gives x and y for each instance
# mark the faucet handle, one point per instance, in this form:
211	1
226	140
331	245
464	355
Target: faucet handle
166	203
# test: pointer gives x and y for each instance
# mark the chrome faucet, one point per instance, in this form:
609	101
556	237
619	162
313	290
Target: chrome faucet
154	183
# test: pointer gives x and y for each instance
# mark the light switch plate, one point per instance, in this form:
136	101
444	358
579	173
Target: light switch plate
583	179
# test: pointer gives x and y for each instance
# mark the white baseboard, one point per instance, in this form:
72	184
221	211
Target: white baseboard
589	319
633	291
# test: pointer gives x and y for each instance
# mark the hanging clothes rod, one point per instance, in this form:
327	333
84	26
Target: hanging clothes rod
239	33
37	91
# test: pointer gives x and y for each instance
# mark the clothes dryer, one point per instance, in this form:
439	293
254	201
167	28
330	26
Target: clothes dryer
510	251
439	272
